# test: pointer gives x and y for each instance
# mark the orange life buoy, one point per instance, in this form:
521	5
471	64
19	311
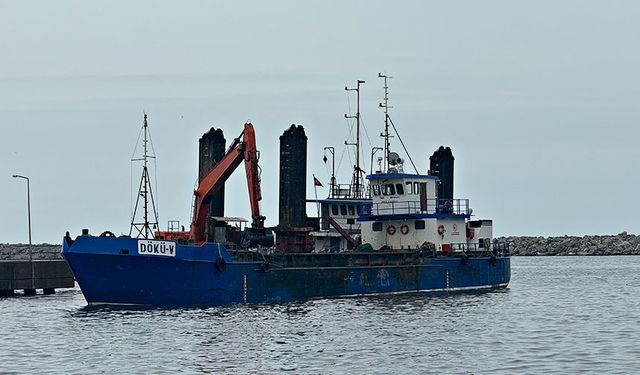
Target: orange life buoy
391	230
441	229
404	229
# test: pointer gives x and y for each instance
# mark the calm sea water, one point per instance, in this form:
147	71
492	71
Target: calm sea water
559	315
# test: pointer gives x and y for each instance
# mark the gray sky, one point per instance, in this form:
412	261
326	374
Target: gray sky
538	100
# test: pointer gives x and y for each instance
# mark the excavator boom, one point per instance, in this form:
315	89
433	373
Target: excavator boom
244	149
209	185
251	156
239	150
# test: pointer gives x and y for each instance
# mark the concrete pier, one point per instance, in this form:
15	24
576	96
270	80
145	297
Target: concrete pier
47	275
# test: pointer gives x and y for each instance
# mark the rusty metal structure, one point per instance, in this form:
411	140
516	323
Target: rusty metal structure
293	177
292	232
212	147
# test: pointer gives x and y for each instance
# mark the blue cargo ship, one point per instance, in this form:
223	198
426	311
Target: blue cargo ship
112	270
399	233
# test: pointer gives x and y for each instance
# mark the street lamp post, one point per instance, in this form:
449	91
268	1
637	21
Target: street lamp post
29	218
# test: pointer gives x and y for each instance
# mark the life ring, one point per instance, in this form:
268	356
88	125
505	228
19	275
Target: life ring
391	230
441	229
404	229
471	233
107	233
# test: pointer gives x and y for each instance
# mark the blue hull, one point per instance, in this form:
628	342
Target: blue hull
113	270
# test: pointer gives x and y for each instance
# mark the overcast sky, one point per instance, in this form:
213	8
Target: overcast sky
539	101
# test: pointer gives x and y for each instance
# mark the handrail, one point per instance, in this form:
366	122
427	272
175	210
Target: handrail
345	191
428	206
496	248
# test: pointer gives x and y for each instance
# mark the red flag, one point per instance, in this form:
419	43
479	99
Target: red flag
316	182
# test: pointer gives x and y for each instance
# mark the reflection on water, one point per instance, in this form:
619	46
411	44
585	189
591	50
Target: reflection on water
560	314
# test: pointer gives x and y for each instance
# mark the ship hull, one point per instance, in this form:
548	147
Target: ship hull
114	271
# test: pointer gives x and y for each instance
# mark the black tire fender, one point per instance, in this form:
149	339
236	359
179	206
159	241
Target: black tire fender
221	264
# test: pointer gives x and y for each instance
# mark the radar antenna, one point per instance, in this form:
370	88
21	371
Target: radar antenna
143	228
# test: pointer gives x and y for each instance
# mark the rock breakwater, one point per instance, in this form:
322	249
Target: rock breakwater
620	244
21	252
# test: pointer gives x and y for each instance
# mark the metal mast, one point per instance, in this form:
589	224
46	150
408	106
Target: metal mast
357	170
144	228
386	107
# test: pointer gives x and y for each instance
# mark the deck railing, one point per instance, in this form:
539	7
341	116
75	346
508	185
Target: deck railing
348	191
497	248
425	206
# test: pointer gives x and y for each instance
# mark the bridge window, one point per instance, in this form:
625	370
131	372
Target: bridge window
419	224
352	210
343	210
389	190
399	189
376	189
409	187
377	226
475	224
416	189
334	209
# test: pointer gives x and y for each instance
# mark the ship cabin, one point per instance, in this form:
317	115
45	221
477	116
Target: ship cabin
407	213
339	223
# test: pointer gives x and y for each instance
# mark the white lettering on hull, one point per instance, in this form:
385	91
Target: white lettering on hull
160	248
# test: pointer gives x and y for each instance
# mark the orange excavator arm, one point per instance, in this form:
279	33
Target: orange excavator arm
237	152
251	156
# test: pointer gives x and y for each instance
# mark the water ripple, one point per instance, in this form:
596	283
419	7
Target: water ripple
560	315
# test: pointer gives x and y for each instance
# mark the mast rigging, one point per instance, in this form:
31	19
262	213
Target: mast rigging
357	184
145	191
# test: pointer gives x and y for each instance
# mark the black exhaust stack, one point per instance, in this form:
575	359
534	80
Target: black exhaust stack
442	166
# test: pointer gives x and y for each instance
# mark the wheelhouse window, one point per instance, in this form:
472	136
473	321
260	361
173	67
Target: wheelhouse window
334	209
416	188
343	210
352	210
376	189
377	226
409	187
399	189
389	189
475	224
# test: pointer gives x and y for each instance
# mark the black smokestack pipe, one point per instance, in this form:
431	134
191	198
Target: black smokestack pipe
293	177
212	149
442	167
